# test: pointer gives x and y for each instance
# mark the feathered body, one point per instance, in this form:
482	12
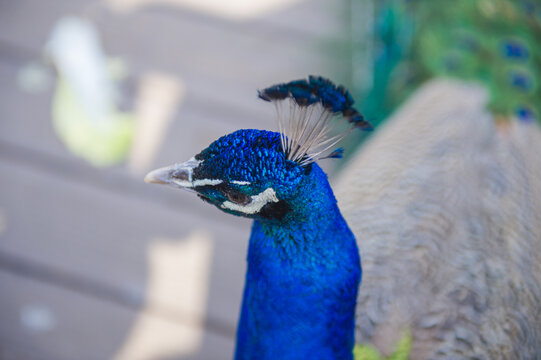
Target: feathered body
301	285
446	194
303	261
448	205
304	267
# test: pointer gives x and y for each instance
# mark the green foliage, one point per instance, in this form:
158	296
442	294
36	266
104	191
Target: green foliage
368	352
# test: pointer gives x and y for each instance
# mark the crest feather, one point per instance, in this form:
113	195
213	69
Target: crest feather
306	111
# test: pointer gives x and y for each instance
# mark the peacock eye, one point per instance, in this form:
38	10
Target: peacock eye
237	197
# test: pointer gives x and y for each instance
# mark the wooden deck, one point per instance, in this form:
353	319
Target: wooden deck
95	264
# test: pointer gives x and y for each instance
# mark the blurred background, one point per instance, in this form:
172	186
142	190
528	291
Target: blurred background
95	264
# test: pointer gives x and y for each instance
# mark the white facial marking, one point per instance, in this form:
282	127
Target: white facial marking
189	166
239	182
204	182
257	203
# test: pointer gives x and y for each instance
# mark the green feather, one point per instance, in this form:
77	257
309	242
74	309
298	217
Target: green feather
492	42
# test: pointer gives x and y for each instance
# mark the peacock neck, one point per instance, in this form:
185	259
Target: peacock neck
302	280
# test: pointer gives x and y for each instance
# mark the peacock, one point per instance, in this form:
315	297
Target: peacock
491	42
445	198
445	207
304	266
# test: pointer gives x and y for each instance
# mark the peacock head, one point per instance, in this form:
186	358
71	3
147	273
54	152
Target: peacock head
263	174
244	173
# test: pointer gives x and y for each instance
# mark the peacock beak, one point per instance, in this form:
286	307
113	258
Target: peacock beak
177	175
160	176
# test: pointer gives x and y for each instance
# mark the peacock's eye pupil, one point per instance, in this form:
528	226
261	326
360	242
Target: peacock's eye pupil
237	197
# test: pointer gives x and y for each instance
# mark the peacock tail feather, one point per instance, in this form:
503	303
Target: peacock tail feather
491	42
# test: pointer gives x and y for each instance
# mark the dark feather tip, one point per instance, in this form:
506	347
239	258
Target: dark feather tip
301	83
317	89
347	96
332	99
337	154
302	92
319	81
263	96
275	92
364	125
357	119
350	113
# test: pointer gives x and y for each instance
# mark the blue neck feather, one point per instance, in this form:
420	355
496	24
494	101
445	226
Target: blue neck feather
301	286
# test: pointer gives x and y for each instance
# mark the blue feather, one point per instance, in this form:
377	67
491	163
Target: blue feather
525	114
309	133
304	267
302	280
514	49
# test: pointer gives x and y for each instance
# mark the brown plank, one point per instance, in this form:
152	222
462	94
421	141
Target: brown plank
45	322
218	60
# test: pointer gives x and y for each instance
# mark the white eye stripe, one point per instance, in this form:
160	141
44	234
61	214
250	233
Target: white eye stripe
196	183
206	182
257	203
239	182
190	165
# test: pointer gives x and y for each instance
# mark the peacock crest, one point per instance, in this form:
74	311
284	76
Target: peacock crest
307	111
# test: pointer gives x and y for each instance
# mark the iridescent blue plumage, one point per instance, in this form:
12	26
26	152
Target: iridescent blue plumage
301	285
303	262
